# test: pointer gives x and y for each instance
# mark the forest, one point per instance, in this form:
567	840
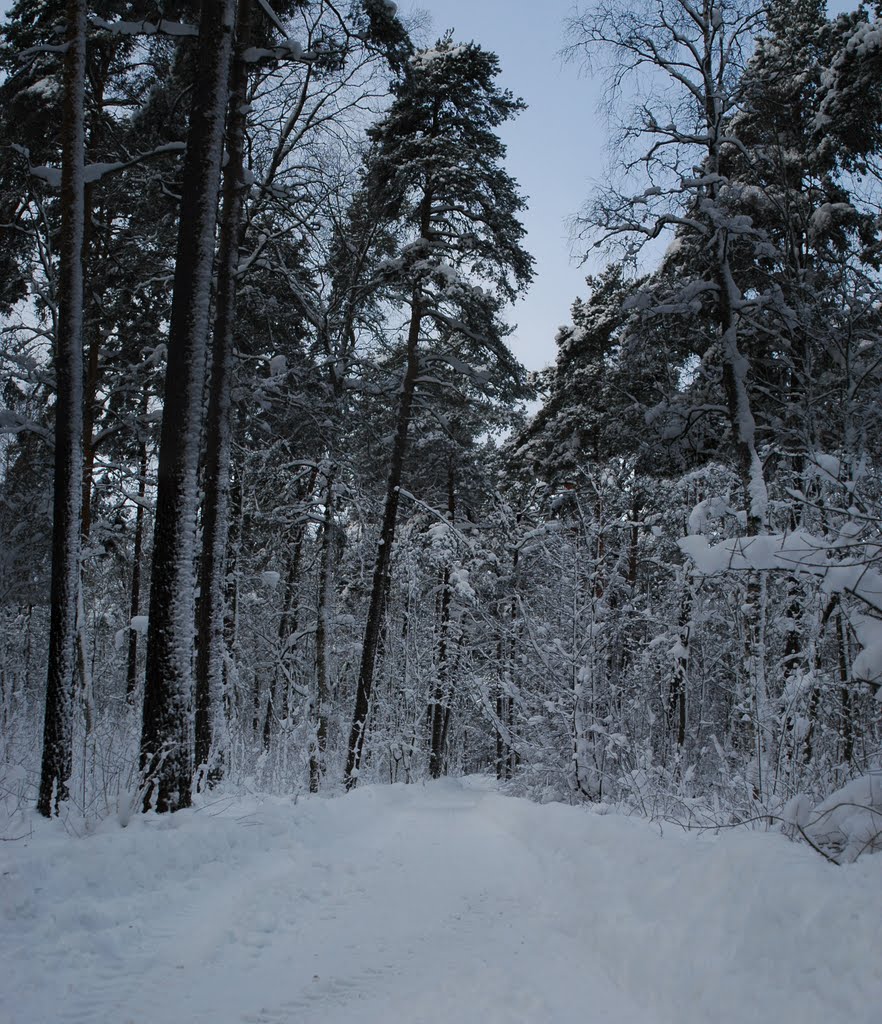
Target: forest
279	509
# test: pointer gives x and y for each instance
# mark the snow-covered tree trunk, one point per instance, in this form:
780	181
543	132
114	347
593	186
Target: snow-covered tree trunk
696	47
68	482
506	657
280	703
677	694
323	622
441	696
137	569
166	754
216	479
846	727
435	176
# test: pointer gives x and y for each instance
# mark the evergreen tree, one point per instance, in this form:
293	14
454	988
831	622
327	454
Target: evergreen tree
435	171
67	522
165	735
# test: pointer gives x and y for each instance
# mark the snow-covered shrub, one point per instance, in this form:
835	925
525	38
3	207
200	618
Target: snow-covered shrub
849	822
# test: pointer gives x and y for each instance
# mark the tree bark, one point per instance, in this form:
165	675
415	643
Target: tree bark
289	623
137	556
847	722
216	480
165	736
680	676
735	369
68	482
322	636
441	696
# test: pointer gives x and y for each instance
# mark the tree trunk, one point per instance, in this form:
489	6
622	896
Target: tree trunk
135	604
165	736
735	368
90	415
441	697
216	481
68	482
847	723
380	580
289	623
322	636
677	694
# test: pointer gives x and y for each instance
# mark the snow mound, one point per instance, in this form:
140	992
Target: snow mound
849	821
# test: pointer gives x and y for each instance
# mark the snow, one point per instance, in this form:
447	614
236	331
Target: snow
799	551
850	820
868	664
424	58
828	214
459	581
866	39
706	512
44	88
51	175
445	902
288	49
144	28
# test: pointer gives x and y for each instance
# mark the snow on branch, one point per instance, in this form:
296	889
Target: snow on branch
97	171
12	423
144	28
802	552
847	823
33	51
289	49
798	551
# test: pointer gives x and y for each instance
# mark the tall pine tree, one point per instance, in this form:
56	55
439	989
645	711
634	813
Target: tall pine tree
435	171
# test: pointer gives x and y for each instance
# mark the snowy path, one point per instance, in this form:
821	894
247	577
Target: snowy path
428	904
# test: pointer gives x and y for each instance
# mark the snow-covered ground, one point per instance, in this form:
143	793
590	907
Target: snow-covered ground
439	903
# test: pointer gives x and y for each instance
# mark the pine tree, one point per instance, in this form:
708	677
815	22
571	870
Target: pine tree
435	171
67	521
215	516
165	736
